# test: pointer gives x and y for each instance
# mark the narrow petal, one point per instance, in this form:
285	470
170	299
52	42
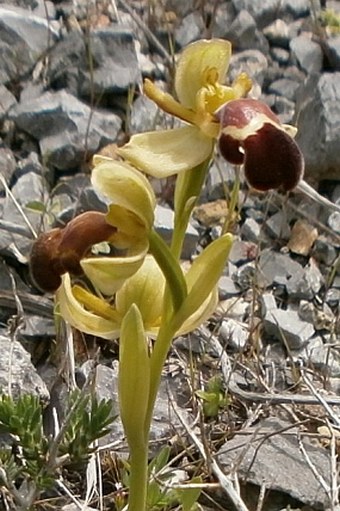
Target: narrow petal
125	187
145	288
195	65
165	153
134	377
75	314
108	274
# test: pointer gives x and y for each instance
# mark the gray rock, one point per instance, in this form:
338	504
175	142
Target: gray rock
267	11
179	7
29	189
284	87
227	288
333	51
307	53
243	34
267	303
234	334
190	29
319	105
284	109
277	225
242	251
286	326
332	297
277	33
251	230
7	100
66	128
7	165
224	17
270	455
252	62
23	40
277	268
36	328
324	358
334	221
164	417
280	55
114	60
164	224
324	251
17	370
305	285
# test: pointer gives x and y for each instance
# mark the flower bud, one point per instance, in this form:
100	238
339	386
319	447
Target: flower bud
61	249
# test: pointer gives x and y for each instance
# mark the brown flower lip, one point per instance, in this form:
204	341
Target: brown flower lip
251	134
60	250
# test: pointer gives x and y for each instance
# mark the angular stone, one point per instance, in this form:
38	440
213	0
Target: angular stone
277	268
114	60
277	33
234	334
334	221
211	213
17	370
284	87
270	456
308	53
305	285
277	226
243	33
242	251
190	29
252	62
318	105
227	288
286	326
251	230
66	128
23	40
7	100
268	303
7	165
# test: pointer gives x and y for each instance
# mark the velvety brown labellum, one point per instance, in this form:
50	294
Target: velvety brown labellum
61	250
270	156
272	160
240	112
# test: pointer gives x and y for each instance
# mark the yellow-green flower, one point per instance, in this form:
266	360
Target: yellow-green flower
145	289
125	227
199	78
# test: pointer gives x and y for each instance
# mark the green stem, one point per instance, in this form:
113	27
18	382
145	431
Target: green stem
138	482
157	361
170	268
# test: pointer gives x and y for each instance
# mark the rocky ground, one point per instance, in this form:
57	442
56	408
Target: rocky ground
70	77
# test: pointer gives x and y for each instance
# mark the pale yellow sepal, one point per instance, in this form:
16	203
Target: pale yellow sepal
164	153
108	274
203	276
204	312
201	63
125	187
134	377
77	316
146	289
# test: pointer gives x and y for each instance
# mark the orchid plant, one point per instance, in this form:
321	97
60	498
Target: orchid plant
139	292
